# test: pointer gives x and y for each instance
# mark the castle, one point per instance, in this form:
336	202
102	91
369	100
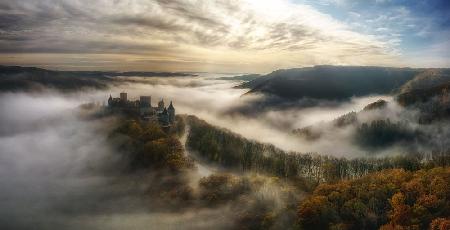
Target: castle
143	108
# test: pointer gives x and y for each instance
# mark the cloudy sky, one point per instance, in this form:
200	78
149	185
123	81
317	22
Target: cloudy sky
223	35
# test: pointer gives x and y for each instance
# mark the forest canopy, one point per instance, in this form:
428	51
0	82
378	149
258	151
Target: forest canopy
389	199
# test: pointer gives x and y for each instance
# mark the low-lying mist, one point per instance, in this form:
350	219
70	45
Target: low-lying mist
217	102
58	170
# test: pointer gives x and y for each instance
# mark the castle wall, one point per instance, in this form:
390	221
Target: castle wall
143	108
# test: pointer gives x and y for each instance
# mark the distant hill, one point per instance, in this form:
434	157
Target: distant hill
432	103
245	77
332	82
428	93
376	105
440	92
427	79
429	106
372	135
150	74
16	78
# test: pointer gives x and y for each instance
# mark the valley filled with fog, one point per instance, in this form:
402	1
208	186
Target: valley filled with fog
221	103
224	114
58	168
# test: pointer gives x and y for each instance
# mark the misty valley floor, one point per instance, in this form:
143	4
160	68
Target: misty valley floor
309	164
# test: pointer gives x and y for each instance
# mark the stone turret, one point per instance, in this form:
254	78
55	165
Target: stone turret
164	117
110	100
171	111
145	101
145	105
161	105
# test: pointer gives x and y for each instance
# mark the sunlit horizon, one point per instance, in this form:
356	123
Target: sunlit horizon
223	36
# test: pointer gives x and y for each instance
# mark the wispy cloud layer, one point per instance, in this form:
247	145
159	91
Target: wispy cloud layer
193	35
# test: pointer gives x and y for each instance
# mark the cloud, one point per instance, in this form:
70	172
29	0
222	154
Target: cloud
229	35
410	25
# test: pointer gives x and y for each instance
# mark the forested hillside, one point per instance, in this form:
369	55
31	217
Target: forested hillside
156	159
369	193
427	79
389	199
234	151
413	121
343	82
147	146
331	82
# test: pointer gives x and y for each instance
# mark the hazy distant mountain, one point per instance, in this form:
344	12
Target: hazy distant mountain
150	74
245	77
16	78
332	82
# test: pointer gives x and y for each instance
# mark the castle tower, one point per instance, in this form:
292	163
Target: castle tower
110	99
171	111
164	117
161	105
145	101
145	105
123	97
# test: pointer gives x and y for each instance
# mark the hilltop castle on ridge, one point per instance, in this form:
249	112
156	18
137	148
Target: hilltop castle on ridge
143	108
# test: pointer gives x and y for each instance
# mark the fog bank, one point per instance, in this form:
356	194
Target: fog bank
58	171
216	101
